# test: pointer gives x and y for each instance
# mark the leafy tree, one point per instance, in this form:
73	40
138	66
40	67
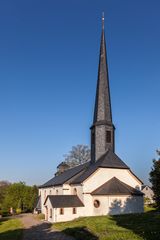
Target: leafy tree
3	188
155	179
20	197
78	155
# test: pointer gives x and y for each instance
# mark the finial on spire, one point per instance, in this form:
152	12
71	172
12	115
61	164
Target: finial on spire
102	20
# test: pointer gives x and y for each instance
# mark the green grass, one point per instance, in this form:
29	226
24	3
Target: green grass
148	208
144	226
10	229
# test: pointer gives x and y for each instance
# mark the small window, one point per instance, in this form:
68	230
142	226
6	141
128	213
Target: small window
93	138
57	192
61	211
44	195
75	191
50	213
96	203
74	210
108	136
50	192
147	188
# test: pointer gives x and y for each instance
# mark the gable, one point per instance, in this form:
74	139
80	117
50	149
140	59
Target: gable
116	187
103	175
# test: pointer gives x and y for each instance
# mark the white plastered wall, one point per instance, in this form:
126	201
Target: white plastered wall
57	217
103	175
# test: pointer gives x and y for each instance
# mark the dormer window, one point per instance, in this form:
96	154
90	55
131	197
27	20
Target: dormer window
108	136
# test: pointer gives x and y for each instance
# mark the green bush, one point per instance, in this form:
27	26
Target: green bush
5	213
18	210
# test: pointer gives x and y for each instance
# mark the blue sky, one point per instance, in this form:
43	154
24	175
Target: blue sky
48	72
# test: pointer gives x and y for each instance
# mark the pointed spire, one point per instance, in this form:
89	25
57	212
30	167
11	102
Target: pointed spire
103	104
102	20
102	130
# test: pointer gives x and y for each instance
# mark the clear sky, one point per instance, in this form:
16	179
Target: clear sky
48	71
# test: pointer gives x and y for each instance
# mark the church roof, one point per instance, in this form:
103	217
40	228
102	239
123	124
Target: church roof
78	174
107	160
115	187
38	203
102	111
65	176
64	201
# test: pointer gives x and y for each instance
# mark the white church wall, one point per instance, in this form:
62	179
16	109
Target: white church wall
102	175
77	190
66	189
125	204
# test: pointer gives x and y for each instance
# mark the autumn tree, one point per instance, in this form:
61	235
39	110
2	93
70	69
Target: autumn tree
155	179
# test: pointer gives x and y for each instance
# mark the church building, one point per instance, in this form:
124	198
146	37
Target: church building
103	186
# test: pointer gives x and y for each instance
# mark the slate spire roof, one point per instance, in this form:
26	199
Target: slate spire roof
102	110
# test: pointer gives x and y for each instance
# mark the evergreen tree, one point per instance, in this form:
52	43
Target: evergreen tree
155	179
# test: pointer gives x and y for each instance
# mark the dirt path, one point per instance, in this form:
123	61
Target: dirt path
37	230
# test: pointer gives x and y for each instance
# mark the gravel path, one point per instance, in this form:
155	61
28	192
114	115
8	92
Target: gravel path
37	230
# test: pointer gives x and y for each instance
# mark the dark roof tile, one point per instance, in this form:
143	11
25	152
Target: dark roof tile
116	187
64	201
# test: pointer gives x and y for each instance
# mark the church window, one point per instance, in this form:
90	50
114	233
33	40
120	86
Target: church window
108	136
93	138
96	203
74	210
61	211
50	213
44	195
75	191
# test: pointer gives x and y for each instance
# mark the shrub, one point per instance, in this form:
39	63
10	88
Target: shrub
18	211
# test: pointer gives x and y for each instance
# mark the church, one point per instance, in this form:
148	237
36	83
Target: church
103	186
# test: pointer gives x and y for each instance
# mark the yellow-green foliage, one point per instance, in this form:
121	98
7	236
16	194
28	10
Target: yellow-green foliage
18	211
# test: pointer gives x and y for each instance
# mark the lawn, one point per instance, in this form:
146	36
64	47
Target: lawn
144	226
10	229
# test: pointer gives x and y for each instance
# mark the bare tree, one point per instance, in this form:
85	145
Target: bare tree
78	155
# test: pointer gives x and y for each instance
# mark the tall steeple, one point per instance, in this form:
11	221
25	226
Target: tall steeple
102	130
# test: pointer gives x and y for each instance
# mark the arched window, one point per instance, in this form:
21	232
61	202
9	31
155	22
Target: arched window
96	203
50	192
44	195
61	212
74	210
75	191
50	213
56	191
93	138
108	136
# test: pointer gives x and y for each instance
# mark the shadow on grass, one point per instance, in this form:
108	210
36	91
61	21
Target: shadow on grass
11	235
145	225
5	234
80	233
